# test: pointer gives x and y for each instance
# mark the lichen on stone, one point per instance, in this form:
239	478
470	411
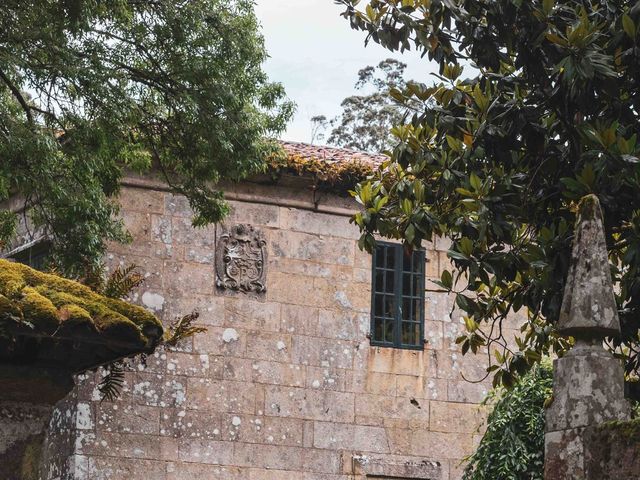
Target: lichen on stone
54	306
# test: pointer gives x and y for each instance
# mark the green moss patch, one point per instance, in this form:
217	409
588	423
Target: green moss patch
50	305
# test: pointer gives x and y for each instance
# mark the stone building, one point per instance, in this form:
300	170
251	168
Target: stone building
304	373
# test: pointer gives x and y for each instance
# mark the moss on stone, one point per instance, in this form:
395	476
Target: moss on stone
53	304
588	208
621	429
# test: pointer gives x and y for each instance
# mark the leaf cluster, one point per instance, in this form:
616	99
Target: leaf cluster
498	159
92	89
512	447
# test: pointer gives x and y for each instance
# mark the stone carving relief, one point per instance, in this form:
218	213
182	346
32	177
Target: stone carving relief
241	259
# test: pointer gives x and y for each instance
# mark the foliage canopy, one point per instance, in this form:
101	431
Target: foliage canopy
498	160
91	88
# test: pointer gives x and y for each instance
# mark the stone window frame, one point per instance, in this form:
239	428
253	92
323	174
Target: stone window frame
401	296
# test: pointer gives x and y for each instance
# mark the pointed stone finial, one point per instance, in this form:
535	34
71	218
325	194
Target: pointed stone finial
588	308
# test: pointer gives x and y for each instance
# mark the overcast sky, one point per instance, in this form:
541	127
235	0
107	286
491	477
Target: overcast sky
316	55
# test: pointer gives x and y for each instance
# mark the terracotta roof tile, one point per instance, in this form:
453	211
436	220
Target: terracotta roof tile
332	155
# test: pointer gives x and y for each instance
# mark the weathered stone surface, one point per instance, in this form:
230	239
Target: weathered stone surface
588	382
281	387
588	389
588	306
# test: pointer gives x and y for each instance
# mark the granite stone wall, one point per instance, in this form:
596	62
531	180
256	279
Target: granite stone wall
283	385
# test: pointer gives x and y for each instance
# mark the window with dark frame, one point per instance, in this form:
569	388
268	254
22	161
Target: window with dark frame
35	255
397	298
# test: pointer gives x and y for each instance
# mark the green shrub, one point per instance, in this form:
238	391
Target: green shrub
512	447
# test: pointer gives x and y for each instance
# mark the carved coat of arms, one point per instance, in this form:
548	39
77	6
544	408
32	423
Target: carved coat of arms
241	259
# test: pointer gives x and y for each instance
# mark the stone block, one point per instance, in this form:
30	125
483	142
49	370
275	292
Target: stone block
455	417
322	352
307	221
206	394
467	392
183	423
317	248
202	471
398	361
588	389
141	200
183	232
221	341
309	404
192	365
211	309
199	450
191	277
161	229
440	446
269	346
276	373
337	436
434	334
123	418
241	397
113	468
152	269
423	387
322	461
263	430
119	445
238	369
326	378
177	205
386	407
292	289
301	320
257	214
268	456
251	314
338	323
365	381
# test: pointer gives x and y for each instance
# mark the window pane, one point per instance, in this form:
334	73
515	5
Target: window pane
406	309
391	259
407	256
379	281
417	309
418	289
389	306
379	256
378	305
378	330
410	333
389	331
391	282
406	284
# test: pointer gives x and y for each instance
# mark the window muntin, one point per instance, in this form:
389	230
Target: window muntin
397	306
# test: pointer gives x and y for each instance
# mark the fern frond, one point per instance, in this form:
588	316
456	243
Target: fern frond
111	385
93	276
183	328
122	281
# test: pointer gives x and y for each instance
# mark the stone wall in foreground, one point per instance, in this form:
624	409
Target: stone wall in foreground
283	385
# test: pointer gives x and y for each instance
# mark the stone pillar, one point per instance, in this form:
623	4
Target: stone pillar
588	382
28	396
